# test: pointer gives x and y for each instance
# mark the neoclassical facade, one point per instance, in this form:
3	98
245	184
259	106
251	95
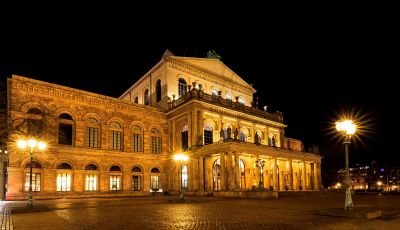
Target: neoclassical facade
104	146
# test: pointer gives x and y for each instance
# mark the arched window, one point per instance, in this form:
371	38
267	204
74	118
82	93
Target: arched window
158	91
228	97
155	141
154	180
243	136
242	183
91	167
136	178
216	175
35	123
208	134
146	97
116	136
64	166
64	177
36	176
184	178
181	87
92	132
115	178
91	178
136	100
65	129
137	139
241	101
115	168
185	140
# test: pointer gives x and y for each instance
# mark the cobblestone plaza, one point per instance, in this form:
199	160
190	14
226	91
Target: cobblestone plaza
155	212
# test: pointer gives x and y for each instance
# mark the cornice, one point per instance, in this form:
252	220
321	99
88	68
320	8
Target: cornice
46	89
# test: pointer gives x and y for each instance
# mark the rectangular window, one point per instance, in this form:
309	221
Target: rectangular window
137	142
92	137
63	182
91	183
155	145
116	140
65	134
136	183
154	183
115	182
35	182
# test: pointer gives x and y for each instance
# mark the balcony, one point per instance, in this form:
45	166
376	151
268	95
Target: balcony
198	94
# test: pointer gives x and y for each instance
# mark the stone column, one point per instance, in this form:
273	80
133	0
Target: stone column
229	171
200	125
222	173
237	172
276	187
305	187
267	170
284	179
173	136
201	174
190	131
291	174
194	128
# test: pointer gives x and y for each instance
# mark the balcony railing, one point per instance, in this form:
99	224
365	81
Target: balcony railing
218	100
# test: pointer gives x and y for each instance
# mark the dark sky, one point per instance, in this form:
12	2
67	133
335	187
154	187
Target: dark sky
308	74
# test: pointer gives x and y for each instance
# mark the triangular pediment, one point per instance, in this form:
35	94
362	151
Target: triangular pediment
214	67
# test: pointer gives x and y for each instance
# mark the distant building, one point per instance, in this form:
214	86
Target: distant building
104	146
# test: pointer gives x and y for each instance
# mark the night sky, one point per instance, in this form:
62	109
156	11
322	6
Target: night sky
309	76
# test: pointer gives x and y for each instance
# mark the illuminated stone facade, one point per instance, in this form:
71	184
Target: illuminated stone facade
103	146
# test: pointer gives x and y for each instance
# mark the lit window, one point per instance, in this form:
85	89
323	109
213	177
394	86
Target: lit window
63	182
116	136
242	175
181	87
228	97
35	182
214	92
115	182
154	183
91	183
155	141
184	178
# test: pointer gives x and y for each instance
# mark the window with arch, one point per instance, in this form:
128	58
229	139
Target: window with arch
92	133
154	180
115	178
137	139
91	178
35	123
242	183
158	91
243	136
116	135
64	177
241	100
36	176
185	139
136	100
228	97
146	97
155	141
184	178
181	87
208	134
65	129
216	174
136	178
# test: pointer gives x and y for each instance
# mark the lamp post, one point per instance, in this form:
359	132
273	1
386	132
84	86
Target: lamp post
260	163
31	144
348	128
181	158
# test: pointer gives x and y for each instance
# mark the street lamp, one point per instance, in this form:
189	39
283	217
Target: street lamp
348	128
260	163
31	144
181	158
